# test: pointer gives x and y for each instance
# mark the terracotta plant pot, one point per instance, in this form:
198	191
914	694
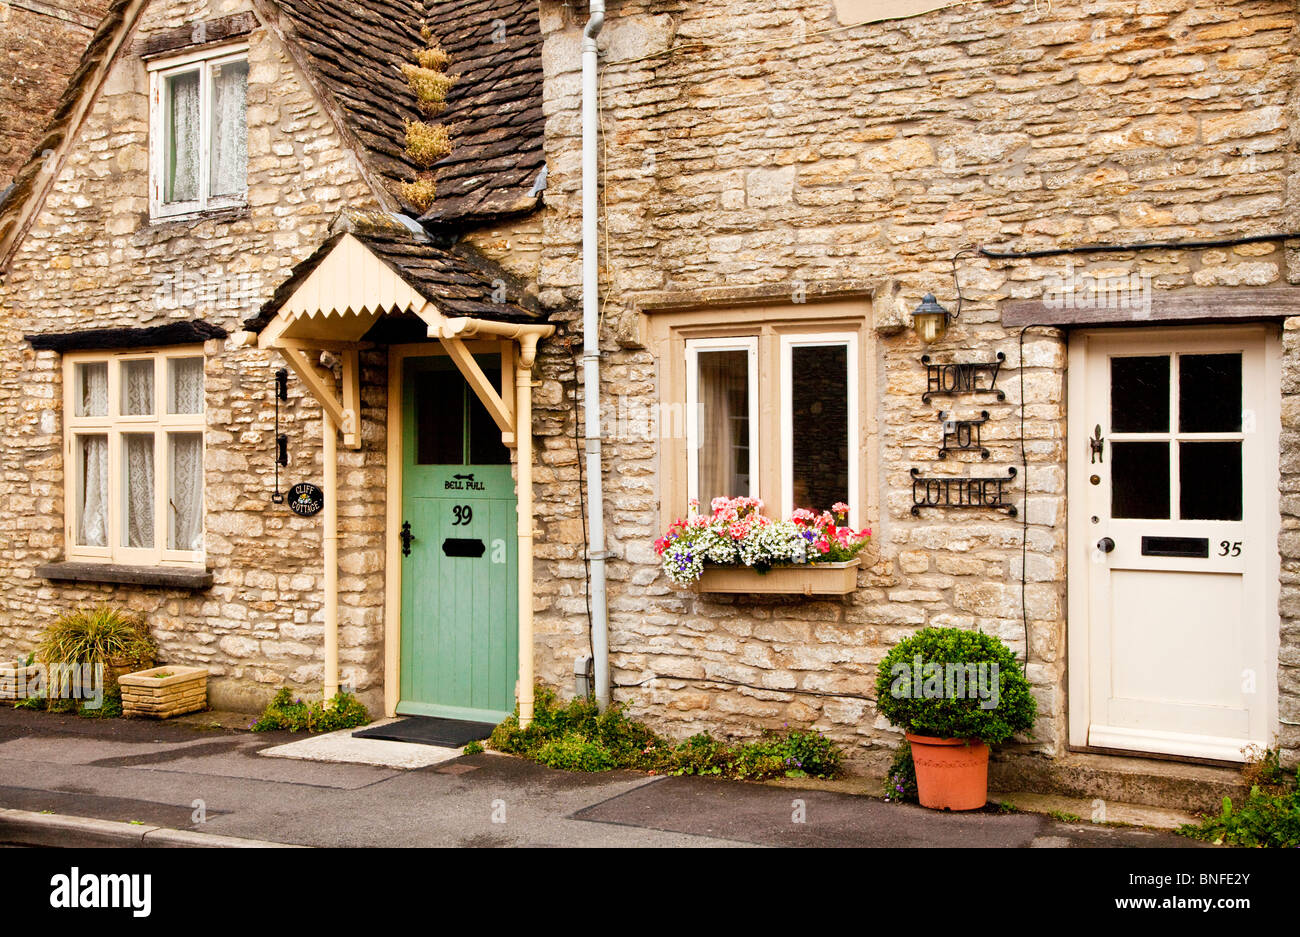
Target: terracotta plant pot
951	774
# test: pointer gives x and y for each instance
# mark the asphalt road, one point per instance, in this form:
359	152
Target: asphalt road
169	775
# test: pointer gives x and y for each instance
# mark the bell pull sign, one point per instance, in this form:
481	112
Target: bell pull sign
950	380
988	494
963	435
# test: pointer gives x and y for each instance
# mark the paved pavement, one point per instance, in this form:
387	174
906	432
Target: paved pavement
167	775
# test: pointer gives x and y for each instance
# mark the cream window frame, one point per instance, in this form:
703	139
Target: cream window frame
159	71
693	348
666	330
790	342
114	425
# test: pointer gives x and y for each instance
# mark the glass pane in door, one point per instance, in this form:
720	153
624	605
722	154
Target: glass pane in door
1139	475
1209	481
1139	394
1209	393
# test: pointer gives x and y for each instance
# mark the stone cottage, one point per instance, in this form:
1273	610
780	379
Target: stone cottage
1012	280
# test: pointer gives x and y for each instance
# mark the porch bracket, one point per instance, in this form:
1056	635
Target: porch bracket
343	413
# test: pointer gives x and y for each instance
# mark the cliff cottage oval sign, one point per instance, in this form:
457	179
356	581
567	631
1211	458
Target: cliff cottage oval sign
306	499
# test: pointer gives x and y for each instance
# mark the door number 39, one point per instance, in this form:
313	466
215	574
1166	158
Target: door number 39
1229	548
461	514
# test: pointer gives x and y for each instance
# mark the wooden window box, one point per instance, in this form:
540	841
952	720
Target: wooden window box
805	579
184	690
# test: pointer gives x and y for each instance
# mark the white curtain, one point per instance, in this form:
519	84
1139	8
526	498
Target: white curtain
139	490
92	395
137	388
183	132
92	521
229	129
187	385
724	425
187	491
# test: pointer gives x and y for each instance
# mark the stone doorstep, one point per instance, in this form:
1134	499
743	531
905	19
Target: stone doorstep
1159	818
1180	788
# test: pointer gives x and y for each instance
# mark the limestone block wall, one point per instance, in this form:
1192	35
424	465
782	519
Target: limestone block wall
93	259
762	148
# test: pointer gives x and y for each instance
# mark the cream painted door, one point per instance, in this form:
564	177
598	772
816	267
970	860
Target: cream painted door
1174	559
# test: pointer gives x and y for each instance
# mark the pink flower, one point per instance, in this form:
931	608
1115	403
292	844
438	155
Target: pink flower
839	507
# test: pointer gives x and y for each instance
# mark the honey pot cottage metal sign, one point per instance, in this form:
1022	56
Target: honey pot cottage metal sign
947	491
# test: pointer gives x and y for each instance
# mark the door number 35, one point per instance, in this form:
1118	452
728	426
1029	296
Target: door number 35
1229	548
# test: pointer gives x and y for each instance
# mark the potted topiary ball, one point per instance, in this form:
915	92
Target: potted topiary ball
954	693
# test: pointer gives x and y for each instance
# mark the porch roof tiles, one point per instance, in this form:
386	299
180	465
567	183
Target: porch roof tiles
458	281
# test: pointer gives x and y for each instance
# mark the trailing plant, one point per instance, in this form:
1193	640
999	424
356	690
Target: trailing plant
99	635
577	736
951	683
737	533
344	711
900	782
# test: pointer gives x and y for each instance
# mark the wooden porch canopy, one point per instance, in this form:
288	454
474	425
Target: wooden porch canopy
378	266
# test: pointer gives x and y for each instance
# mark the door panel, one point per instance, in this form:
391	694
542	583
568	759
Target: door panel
1174	541
459	646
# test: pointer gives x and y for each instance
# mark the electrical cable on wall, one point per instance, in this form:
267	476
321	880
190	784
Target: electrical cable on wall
749	686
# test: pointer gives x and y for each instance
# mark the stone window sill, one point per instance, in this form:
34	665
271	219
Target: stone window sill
166	577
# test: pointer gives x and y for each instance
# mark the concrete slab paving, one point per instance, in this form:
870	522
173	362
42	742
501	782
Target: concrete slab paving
343	748
477	800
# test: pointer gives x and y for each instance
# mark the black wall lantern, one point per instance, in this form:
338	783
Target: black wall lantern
931	320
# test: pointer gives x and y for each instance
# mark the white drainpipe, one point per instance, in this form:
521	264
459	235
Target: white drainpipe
591	346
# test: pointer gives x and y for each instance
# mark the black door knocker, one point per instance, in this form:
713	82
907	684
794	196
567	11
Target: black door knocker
407	538
1097	446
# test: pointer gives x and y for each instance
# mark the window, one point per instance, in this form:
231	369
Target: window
722	418
198	132
818	413
764	402
135	457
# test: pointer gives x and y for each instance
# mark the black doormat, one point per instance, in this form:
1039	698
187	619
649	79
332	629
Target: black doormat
426	730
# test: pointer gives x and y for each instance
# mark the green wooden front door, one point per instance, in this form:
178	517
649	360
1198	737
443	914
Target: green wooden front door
460	635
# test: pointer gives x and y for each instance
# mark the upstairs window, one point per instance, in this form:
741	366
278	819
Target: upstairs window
198	132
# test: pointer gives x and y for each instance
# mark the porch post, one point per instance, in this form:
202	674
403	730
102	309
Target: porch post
524	448
329	455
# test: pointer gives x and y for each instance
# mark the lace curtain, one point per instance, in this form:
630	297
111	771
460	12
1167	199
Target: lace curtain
187	491
139	490
92	522
186	385
137	388
229	129
183	130
92	392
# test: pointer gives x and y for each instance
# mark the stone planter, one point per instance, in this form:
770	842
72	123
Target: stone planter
805	579
17	680
183	690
